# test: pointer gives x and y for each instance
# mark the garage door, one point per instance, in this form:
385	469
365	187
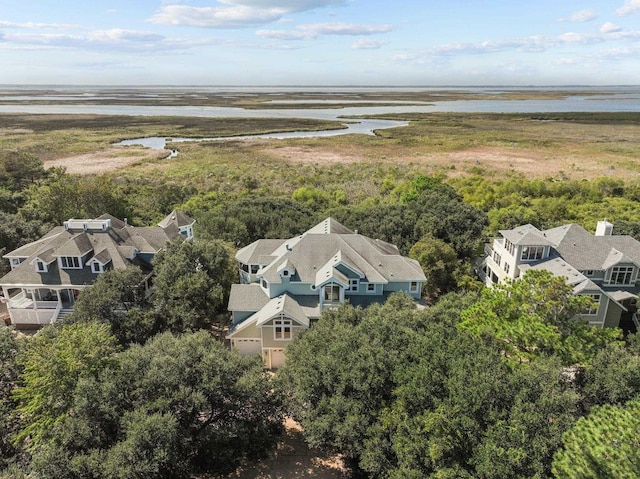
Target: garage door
247	347
277	358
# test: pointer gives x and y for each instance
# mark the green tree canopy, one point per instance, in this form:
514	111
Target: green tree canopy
536	315
439	263
603	445
192	283
118	299
176	406
53	362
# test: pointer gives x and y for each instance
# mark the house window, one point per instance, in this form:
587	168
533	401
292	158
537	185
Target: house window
507	266
255	268
41	267
621	275
285	273
331	293
282	329
70	262
263	283
96	267
371	288
15	262
496	257
244	267
532	253
413	287
589	272
593	309
354	284
509	246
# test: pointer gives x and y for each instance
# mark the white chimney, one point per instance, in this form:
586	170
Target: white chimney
604	228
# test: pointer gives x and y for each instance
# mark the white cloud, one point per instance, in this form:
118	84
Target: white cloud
215	17
610	28
580	16
526	44
33	25
289	6
339	28
235	13
103	40
315	30
285	34
368	44
629	6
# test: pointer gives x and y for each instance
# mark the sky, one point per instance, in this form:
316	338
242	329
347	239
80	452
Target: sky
320	42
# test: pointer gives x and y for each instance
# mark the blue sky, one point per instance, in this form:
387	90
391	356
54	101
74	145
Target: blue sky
320	42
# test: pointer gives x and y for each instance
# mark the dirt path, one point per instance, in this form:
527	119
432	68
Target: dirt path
292	459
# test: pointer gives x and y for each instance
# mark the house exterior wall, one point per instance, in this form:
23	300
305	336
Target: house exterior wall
268	340
403	286
251	331
612	318
598	319
239	316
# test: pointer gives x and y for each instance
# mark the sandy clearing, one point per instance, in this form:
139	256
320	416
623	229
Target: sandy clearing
492	160
292	459
106	161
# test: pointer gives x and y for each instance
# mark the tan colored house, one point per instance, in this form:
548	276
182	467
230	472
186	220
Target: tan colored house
286	284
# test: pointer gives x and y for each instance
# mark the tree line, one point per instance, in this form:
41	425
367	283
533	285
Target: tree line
483	383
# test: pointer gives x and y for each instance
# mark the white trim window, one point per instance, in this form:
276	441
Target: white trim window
354	285
97	267
70	262
371	288
282	329
621	275
593	309
331	293
41	266
509	246
15	262
532	253
506	267
413	287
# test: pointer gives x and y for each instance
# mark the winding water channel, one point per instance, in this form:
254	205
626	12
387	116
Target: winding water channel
626	100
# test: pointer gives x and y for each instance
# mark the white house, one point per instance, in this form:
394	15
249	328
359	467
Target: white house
604	266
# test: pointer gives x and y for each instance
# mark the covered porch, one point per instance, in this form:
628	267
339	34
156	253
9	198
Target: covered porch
35	307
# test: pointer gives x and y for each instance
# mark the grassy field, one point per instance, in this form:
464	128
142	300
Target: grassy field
572	146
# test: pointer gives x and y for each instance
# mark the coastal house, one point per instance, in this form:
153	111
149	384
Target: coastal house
285	284
48	274
604	266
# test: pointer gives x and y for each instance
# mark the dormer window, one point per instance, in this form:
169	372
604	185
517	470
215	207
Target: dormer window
96	267
70	262
41	266
285	272
621	275
15	262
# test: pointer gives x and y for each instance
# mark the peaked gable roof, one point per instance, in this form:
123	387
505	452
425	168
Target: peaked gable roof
176	218
113	241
